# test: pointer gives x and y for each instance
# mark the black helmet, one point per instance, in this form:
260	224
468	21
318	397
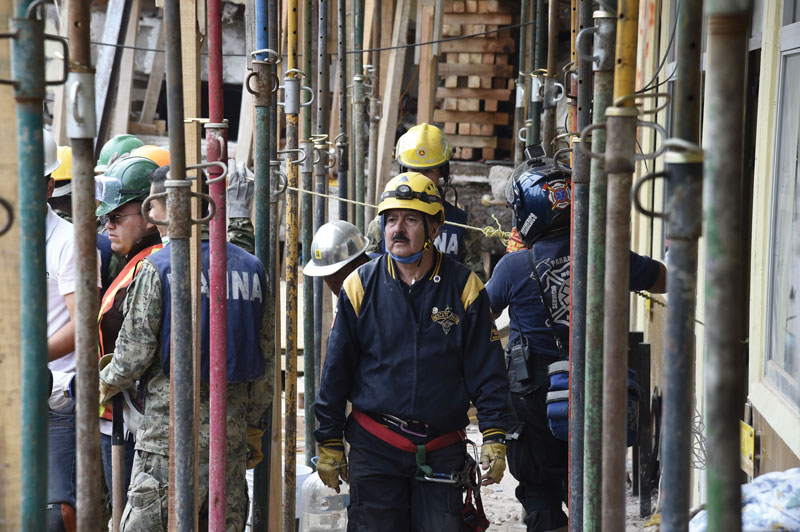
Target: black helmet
540	195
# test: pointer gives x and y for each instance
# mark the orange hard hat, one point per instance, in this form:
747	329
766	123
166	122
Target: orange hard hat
157	154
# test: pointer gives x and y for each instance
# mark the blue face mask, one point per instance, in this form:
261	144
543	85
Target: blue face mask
407	260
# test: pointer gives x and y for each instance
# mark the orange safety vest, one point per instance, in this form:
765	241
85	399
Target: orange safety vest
123	280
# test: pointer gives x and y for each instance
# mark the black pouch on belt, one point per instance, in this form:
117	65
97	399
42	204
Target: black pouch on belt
518	358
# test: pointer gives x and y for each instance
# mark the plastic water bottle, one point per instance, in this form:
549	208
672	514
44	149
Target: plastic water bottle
323	508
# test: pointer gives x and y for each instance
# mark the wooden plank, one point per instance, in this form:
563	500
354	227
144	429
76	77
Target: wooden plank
490	106
369	12
487	154
155	81
104	67
427	68
137	128
122	107
450	128
498	19
472	141
464	129
488	70
465	154
471	6
480	44
479	117
11	443
394	80
482	94
459	6
387	25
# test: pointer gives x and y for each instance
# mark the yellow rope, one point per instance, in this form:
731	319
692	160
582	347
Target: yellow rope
488	231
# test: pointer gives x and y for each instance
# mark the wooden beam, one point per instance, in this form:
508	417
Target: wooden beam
427	67
104	67
474	117
387	23
472	141
369	13
155	81
458	69
391	93
122	106
483	94
498	19
479	44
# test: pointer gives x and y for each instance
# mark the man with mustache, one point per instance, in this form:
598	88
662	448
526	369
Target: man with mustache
411	345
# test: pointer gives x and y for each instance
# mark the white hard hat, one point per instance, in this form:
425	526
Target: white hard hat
51	160
335	244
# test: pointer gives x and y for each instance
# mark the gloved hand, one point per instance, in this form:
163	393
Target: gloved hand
254	454
106	390
240	189
493	458
332	463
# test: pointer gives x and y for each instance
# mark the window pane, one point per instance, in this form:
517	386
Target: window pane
783	368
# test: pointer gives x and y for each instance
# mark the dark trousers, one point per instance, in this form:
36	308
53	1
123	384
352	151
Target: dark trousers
384	494
537	459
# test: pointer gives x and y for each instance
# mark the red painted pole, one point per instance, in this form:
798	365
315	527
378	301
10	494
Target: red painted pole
216	150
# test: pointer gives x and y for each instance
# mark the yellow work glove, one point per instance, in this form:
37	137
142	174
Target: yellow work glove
254	454
332	463
493	456
106	391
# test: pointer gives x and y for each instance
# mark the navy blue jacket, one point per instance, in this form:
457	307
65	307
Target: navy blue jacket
451	238
513	285
419	352
246	286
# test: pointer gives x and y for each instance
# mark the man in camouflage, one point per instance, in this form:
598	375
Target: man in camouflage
142	352
424	149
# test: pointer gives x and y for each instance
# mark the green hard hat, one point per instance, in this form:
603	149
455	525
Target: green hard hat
116	147
125	180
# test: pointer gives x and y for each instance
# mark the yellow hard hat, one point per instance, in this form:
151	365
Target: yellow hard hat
157	154
64	170
423	146
412	190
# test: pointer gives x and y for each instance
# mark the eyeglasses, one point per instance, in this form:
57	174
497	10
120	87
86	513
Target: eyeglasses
114	218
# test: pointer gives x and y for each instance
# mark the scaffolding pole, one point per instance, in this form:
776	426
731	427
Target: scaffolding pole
684	170
725	330
534	134
81	132
578	275
309	340
603	66
291	108
29	90
550	80
522	85
341	138
320	171
619	157
179	230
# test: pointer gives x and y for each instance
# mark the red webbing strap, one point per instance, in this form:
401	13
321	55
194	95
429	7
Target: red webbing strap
401	442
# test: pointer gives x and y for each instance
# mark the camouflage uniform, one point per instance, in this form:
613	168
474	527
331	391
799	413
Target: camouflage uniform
138	356
472	243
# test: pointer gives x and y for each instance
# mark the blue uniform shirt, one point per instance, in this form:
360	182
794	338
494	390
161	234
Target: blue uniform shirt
420	352
513	285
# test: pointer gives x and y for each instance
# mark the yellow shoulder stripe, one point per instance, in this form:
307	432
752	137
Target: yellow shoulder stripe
355	290
471	290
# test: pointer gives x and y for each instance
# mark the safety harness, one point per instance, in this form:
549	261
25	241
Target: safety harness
473	515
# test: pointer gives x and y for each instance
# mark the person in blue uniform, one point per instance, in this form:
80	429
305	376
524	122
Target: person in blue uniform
425	149
533	283
412	344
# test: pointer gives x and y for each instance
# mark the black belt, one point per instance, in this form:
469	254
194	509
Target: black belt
410	427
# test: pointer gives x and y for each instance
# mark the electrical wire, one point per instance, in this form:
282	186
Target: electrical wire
358	51
663	61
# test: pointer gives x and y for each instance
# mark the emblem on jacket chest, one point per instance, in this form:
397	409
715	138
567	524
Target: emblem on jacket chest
446	318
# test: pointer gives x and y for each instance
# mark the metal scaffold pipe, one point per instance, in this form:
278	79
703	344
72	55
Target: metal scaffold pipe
291	108
216	142
534	135
578	275
725	330
179	231
684	171
550	86
359	102
81	130
522	85
320	171
619	157
262	65
309	340
341	138
603	66
29	91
